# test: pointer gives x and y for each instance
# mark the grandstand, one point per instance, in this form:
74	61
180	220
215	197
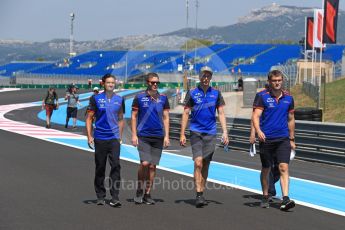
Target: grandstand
224	59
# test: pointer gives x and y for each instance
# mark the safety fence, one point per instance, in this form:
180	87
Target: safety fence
316	142
311	90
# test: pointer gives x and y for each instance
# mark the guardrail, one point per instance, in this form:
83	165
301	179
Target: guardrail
323	143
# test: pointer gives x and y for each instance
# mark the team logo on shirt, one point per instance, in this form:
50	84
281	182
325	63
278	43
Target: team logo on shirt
270	100
101	102
145	99
197	97
271	105
145	104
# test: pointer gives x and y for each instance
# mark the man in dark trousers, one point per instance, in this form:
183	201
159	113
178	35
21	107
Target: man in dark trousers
107	108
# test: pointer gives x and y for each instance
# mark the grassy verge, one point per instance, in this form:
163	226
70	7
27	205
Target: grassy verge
335	100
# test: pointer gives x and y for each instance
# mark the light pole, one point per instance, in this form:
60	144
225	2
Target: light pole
196	30
71	53
186	46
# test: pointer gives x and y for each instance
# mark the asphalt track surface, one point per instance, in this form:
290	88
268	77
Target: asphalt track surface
50	186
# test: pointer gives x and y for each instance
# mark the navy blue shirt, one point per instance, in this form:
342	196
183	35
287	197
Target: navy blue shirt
106	114
150	113
203	107
275	115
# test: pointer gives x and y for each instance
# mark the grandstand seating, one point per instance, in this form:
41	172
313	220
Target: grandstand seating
14	67
249	58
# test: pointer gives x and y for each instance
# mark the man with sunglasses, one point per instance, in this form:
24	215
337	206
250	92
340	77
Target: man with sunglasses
274	122
150	132
202	102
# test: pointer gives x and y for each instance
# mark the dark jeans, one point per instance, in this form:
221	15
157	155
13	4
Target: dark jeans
107	149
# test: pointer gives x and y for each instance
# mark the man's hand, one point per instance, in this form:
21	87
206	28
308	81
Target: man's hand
135	141
166	142
225	138
252	139
90	142
183	140
261	136
293	145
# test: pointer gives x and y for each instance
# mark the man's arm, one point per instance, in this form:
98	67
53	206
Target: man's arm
134	127
222	121
166	127
184	122
252	133
89	120
188	104
121	123
291	125
256	122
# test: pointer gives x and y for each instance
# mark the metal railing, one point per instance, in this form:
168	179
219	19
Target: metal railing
323	143
311	90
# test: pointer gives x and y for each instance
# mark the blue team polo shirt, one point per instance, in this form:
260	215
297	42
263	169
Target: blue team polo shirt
150	114
203	109
106	114
275	115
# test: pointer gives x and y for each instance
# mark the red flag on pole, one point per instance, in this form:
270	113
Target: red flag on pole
317	37
310	33
330	21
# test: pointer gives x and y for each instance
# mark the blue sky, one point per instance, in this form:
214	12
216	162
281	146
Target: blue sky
42	20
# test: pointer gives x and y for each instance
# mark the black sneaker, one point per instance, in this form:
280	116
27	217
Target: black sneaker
74	127
270	198
200	201
115	203
138	199
265	202
66	126
148	200
100	201
287	204
47	126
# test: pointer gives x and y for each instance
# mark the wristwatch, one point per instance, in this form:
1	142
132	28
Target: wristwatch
292	139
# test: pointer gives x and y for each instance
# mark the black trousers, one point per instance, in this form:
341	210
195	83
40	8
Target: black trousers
107	149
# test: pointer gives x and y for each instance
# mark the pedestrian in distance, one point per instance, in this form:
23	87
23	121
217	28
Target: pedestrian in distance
50	103
72	98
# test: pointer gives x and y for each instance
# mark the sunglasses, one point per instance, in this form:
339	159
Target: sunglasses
209	76
154	82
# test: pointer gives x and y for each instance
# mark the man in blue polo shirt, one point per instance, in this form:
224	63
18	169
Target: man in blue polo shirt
150	132
203	102
107	108
274	173
274	122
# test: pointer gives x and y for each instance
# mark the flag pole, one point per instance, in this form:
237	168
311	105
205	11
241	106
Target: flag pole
305	49
321	49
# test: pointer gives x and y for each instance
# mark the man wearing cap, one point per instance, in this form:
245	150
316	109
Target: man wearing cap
202	102
95	90
72	105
